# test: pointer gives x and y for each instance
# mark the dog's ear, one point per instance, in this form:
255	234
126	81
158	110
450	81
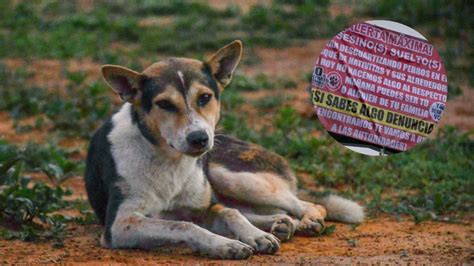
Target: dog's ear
223	63
122	80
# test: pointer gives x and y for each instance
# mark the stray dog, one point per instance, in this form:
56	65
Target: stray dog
157	174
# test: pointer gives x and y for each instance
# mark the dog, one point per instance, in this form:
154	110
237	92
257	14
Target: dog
158	174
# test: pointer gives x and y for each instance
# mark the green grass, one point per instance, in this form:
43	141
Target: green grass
278	100
15	96
260	82
61	30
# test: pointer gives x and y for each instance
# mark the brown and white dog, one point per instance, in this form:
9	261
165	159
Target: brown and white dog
157	173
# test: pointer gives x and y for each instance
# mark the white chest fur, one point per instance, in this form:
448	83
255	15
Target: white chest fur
158	182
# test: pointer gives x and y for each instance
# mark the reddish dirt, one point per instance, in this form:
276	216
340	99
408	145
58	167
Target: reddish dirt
460	111
51	73
292	62
7	132
383	240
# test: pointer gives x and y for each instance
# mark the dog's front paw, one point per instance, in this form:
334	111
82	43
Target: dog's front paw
263	242
227	250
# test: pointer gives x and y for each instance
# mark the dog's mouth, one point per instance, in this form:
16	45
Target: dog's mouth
192	153
196	153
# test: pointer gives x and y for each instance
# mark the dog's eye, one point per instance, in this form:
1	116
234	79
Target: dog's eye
167	106
204	99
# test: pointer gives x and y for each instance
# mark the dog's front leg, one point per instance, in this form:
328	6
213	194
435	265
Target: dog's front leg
138	231
231	220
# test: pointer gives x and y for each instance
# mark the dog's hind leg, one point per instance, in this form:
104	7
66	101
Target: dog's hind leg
267	189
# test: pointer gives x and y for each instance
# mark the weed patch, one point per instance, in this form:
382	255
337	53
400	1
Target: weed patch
28	210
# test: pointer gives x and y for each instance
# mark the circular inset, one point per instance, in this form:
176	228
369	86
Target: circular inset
379	87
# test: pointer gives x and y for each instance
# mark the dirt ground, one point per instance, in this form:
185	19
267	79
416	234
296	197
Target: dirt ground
383	240
380	241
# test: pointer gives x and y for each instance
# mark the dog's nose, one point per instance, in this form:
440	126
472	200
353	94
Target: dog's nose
197	139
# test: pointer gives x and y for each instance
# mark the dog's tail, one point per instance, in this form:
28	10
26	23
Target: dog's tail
338	208
341	209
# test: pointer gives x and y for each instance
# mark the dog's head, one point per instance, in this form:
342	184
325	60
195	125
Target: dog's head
178	99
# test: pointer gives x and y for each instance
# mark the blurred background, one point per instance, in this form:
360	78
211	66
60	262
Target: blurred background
52	99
